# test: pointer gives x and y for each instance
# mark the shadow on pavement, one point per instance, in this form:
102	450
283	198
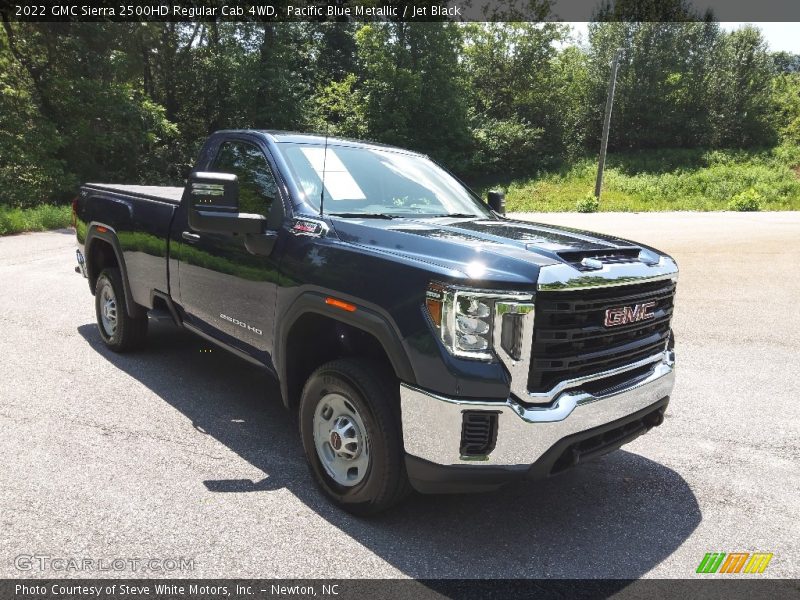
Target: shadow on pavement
617	517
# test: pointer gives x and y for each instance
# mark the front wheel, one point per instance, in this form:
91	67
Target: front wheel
350	425
119	331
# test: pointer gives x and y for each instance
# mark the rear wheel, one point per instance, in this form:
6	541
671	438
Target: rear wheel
350	425
119	331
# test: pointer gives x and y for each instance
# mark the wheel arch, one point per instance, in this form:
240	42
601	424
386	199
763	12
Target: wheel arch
313	333
103	250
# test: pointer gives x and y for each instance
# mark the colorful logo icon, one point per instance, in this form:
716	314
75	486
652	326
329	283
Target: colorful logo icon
734	562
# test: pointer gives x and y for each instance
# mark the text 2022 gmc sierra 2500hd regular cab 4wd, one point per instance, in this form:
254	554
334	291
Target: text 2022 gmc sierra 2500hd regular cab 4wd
422	339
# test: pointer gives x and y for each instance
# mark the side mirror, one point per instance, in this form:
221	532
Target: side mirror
496	201
214	205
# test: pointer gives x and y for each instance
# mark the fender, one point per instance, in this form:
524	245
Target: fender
110	236
363	318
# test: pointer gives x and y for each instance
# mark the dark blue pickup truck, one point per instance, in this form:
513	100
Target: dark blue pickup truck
421	338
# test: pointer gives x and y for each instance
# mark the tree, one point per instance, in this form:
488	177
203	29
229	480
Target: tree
412	89
742	103
103	125
514	75
662	86
30	169
786	62
132	102
786	98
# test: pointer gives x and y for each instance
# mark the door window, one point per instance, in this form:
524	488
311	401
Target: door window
257	186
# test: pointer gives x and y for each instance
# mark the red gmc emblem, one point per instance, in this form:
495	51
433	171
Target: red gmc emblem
622	315
306	227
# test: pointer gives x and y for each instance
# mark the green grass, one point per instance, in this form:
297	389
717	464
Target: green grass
660	180
40	218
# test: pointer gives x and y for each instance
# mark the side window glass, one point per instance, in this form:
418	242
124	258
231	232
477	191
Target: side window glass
257	186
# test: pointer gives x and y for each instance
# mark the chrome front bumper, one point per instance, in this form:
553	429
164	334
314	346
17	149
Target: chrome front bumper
432	423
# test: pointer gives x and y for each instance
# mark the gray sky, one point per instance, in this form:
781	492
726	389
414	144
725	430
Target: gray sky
779	36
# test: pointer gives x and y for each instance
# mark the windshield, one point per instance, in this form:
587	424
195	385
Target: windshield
378	182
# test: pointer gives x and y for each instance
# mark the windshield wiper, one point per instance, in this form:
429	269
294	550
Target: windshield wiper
454	215
358	215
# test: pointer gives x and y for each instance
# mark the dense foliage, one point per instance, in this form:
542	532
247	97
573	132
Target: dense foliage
131	102
660	180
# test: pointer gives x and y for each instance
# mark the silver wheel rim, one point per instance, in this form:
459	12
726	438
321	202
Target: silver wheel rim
341	440
108	310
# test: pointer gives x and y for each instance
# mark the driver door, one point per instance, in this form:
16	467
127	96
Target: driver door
227	292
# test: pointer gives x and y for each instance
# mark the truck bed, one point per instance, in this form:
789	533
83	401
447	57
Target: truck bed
139	218
168	194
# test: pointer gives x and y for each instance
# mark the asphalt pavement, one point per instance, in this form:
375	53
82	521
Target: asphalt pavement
184	452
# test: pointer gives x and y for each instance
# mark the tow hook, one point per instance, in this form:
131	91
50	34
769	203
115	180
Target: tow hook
654	419
80	268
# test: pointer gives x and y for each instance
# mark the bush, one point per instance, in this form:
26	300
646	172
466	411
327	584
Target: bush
747	201
41	218
588	204
506	146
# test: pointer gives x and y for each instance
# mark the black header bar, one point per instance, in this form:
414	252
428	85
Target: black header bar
400	10
364	589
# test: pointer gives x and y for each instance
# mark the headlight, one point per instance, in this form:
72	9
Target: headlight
465	318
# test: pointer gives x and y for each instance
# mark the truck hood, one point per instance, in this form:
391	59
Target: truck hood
482	249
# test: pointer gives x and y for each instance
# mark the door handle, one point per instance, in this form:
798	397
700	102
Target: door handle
190	237
261	244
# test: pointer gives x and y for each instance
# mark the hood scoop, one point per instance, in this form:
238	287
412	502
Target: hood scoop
593	260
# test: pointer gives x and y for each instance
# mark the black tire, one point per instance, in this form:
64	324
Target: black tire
374	392
127	333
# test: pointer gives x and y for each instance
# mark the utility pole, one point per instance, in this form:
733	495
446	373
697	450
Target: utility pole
606	124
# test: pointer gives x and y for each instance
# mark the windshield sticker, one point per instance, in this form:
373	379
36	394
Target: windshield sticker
339	183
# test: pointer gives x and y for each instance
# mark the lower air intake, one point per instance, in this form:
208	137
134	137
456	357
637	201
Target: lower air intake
478	432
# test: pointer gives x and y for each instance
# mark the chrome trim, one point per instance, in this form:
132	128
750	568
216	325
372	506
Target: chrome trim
565	277
432	423
517	367
547	397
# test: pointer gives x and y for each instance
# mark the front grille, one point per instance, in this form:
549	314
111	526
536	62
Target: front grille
478	432
570	339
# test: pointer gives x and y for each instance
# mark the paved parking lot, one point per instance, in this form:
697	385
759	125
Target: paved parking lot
175	452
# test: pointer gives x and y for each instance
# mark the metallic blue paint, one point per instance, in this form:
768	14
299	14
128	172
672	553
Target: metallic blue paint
382	266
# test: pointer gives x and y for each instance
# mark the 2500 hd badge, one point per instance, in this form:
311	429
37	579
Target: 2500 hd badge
241	324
